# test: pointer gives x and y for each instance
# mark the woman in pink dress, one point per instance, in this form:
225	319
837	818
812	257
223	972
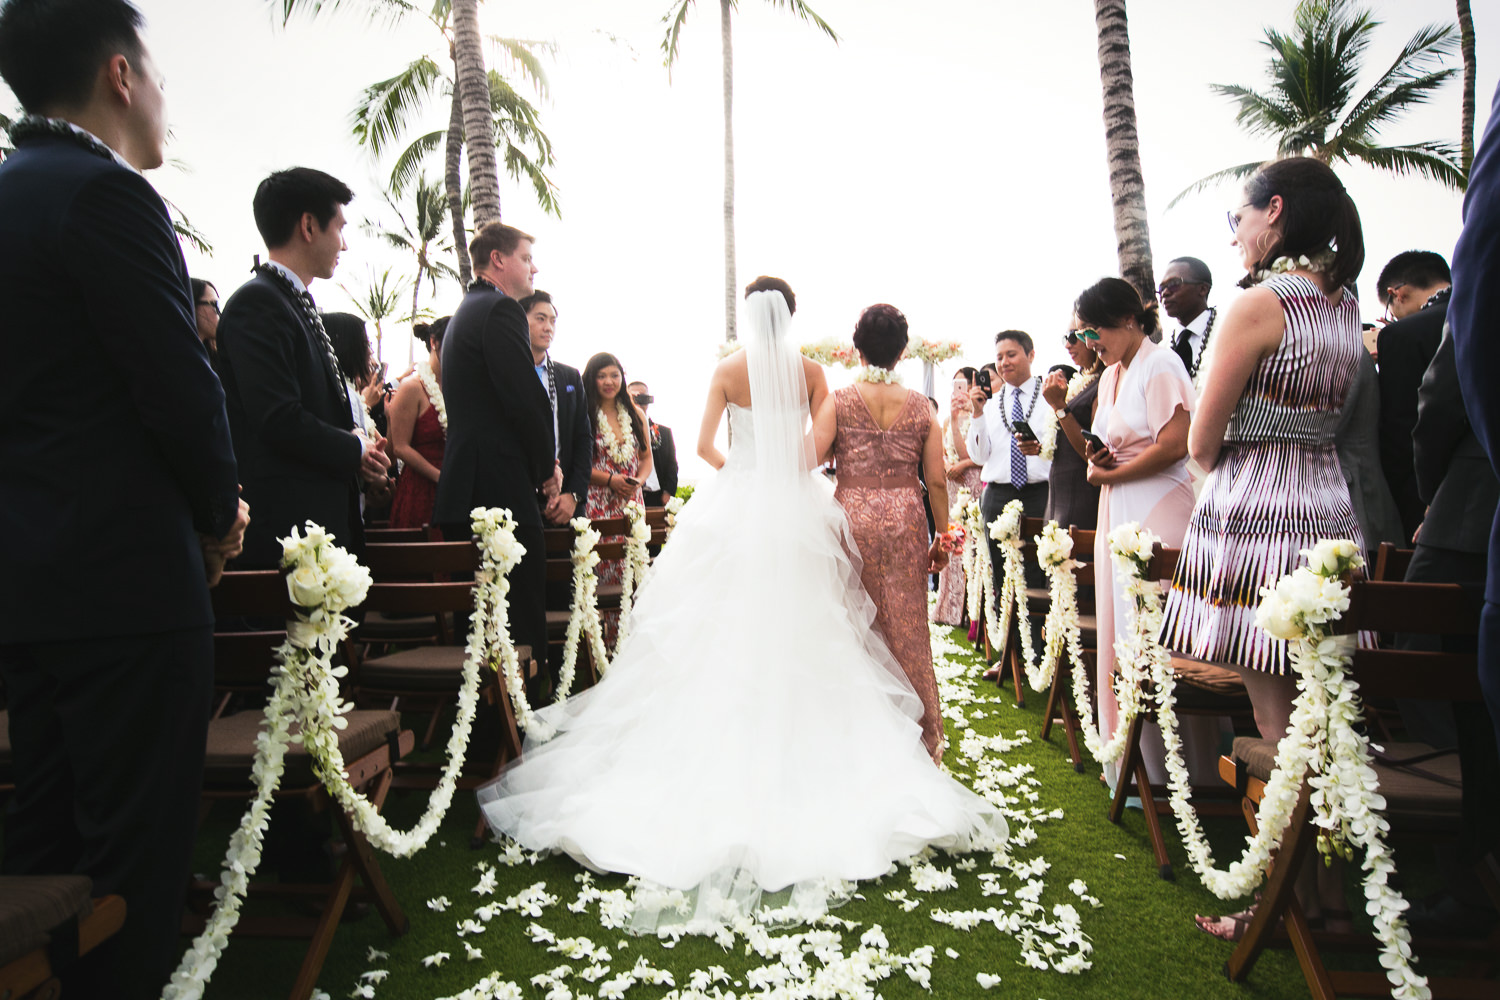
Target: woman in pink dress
1142	413
963	473
418	435
622	457
879	433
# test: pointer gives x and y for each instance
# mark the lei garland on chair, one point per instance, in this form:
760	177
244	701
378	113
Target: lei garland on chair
1325	738
324	580
1054	550
1006	529
1139	656
637	561
673	507
981	577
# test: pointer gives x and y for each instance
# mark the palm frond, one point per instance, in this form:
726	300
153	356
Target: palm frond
386	109
1259	114
674	18
185	229
1216	178
523	54
1438	161
806	13
373	10
409	163
517	118
521	168
382	295
1409	81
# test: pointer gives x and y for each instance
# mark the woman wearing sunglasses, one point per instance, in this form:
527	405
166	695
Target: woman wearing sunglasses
1072	501
1141	418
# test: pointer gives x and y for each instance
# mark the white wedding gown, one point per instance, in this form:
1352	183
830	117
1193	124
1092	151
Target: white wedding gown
754	733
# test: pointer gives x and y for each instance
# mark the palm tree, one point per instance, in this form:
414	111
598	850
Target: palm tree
1310	107
403	96
1127	189
422	238
674	19
1466	46
379	299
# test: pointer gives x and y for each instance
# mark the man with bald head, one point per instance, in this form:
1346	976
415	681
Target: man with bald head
1184	289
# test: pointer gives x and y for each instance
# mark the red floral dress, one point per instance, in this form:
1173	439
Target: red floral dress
604	502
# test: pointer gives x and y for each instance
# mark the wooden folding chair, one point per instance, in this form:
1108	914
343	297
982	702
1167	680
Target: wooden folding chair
370	742
1059	695
1201	689
7	766
1037	599
1391	563
47	922
1422	792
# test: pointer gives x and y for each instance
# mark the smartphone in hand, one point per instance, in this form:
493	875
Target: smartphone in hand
1023	430
983	381
1094	441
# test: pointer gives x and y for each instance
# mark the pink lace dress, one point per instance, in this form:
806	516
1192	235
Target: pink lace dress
882	496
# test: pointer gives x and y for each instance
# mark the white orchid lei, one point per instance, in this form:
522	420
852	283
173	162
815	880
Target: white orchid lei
620	450
1006	529
1320	261
585	617
1054	550
673	505
1323	740
1078	383
877	376
1140	659
633	572
1045	425
980	579
434	392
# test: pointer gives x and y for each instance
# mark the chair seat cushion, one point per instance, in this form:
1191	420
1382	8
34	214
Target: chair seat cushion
30	907
1208	686
231	746
379	627
427	668
1413	799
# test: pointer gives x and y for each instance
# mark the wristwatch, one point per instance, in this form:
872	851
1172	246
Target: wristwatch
579	497
1060	412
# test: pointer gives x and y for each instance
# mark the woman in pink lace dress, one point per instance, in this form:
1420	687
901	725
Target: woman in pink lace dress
879	434
963	473
622	457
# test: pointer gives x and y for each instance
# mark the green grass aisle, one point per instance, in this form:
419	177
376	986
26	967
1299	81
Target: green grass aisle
939	924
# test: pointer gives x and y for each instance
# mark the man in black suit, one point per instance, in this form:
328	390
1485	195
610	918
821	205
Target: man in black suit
662	482
500	450
118	503
1414	288
1474	318
573	435
300	457
1455	480
1184	289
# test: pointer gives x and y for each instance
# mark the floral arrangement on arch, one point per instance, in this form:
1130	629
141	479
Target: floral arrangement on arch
830	352
933	351
1325	740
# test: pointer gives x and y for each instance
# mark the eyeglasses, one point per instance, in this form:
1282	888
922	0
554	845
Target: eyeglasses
1172	284
214	305
1085	333
1234	219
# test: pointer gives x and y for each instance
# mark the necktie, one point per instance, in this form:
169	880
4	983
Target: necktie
1017	460
1184	348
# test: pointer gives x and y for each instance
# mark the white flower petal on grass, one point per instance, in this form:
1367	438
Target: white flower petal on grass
436	959
987	980
950	953
375	975
472	953
376	955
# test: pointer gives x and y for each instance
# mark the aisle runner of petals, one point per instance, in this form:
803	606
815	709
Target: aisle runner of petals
829	956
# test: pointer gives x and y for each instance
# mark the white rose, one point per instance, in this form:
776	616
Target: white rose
1277	616
306	586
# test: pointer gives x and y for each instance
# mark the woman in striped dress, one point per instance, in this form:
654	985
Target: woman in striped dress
1283	363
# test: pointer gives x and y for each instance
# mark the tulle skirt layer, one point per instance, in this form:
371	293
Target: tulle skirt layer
753	733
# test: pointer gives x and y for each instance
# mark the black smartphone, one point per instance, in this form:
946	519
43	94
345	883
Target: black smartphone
1024	430
983	381
1094	440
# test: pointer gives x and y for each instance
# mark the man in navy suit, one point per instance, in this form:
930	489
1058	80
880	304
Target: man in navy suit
1474	318
500	450
573	433
118	503
289	408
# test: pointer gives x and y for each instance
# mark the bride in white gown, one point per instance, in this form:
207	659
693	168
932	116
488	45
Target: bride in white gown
754	733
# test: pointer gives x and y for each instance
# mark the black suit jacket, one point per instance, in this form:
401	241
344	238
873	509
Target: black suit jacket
1406	348
499	450
1475	309
1453	472
575	451
664	459
115	445
293	428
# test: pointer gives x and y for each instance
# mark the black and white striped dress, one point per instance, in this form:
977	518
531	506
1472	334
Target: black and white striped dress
1276	488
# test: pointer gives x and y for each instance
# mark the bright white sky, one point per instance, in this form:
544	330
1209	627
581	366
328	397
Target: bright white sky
950	162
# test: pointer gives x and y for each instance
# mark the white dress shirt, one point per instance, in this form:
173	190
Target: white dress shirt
991	444
1195	331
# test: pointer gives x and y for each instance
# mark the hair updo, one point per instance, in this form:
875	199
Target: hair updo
880	335
1112	302
766	283
1316	214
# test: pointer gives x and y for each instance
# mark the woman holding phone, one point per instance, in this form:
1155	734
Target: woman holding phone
1137	455
622	456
